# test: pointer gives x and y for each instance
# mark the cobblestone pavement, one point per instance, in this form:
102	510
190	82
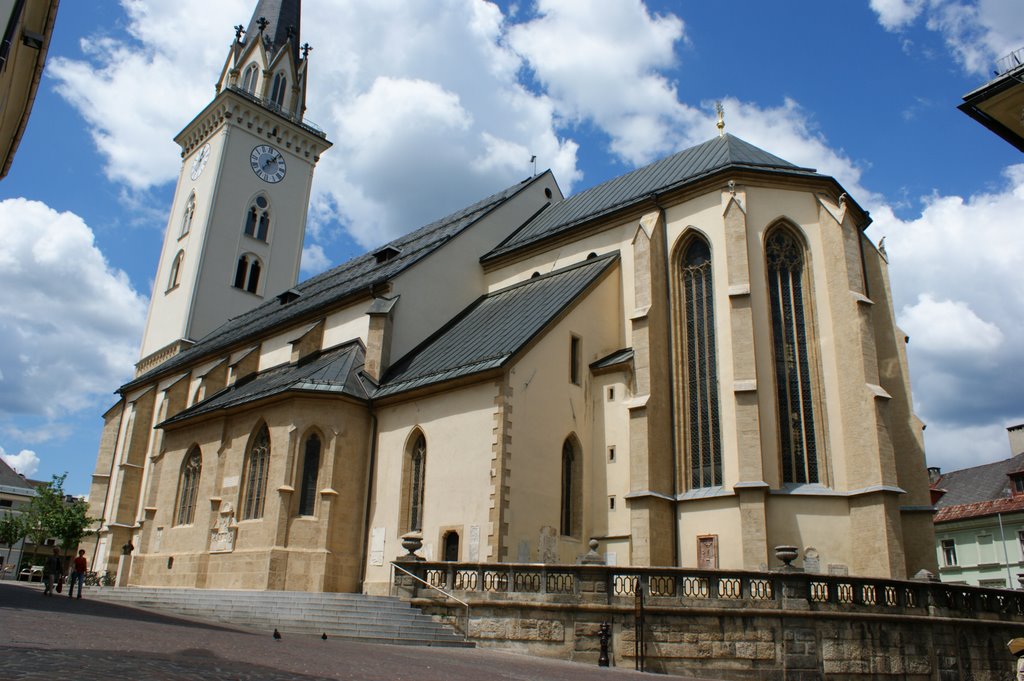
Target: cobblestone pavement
47	638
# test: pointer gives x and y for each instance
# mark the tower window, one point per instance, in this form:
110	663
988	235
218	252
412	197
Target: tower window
186	218
793	363
257	219
700	429
278	90
175	277
415	484
249	78
247	273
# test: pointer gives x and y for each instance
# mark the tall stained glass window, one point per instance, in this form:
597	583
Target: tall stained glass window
702	432
256	475
188	487
310	469
417	473
788	297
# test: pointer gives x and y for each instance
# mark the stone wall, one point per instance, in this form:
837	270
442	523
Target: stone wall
733	626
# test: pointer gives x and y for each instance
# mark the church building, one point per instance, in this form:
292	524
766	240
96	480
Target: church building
690	364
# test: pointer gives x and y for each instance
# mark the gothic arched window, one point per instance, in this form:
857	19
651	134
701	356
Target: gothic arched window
257	219
256	466
414	486
278	89
249	78
310	469
247	273
571	521
787	292
188	487
700	429
175	277
186	218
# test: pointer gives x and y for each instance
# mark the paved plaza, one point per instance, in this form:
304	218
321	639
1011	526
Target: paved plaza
57	637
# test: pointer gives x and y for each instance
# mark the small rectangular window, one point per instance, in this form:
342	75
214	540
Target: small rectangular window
948	552
611	394
1020	540
1018	484
574	360
611	503
6	503
611	459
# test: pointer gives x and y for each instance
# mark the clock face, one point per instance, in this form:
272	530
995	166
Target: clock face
199	162
268	163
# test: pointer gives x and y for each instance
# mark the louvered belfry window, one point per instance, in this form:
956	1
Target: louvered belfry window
256	476
793	381
702	434
188	487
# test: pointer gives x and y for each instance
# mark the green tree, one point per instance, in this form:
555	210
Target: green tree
12	530
52	514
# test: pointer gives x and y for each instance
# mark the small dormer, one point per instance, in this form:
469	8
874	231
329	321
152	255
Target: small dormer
1016	483
288	296
386	253
308	343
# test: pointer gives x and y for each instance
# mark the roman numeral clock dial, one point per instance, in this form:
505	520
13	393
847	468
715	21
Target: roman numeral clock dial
268	163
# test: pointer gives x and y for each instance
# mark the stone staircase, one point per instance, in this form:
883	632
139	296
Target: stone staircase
356	617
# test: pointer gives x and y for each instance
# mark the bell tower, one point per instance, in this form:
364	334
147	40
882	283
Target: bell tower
237	223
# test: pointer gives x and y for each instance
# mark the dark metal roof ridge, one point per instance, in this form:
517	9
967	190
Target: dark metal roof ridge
387	390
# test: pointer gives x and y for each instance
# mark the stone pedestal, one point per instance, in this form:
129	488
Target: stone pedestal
124	568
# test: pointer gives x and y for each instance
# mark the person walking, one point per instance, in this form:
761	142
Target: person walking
78	574
52	570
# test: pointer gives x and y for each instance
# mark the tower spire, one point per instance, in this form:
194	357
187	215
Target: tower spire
282	24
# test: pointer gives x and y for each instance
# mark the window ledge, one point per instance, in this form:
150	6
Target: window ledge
286	489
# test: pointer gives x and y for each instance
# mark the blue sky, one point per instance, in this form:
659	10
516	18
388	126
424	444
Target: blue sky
432	105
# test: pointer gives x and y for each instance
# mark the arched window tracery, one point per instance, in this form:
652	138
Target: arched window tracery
188	487
571	518
310	471
278	89
175	277
257	219
186	218
247	273
793	359
249	78
256	470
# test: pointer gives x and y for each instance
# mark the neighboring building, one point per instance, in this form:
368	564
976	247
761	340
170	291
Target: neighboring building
27	26
999	103
15	493
979	526
691	363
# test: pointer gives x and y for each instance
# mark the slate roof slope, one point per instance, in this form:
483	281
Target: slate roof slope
493	329
669	173
281	14
335	371
358	274
9	478
987	482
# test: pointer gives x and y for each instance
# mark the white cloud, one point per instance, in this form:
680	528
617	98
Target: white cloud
895	14
70	323
25	462
977	32
584	52
314	260
949	328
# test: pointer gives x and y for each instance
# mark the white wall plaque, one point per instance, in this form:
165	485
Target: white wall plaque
377	546
474	544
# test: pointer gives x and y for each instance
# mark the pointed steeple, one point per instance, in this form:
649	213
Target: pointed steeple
282	22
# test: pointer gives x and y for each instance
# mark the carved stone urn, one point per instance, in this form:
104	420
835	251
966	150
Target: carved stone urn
787	554
411	542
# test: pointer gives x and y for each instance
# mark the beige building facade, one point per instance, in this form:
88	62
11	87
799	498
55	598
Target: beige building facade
691	363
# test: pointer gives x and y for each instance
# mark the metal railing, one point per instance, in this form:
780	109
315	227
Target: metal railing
270	104
394	566
1010	62
710	588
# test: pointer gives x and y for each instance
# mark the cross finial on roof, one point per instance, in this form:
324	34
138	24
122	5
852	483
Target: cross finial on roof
262	23
239	30
306	49
290	32
721	118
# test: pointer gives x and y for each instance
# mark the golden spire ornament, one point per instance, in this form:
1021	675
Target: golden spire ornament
721	118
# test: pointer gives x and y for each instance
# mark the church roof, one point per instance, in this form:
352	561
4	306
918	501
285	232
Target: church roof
334	371
488	333
682	168
358	275
282	15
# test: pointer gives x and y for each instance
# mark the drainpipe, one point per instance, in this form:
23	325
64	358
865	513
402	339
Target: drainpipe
1006	556
676	547
369	496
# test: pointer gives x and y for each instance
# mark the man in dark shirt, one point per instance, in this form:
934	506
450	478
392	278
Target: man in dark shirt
52	569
